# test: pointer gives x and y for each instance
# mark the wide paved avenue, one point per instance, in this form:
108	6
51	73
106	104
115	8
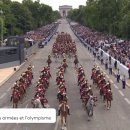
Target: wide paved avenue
117	118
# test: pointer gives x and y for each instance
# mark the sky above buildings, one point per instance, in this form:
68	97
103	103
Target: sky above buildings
56	3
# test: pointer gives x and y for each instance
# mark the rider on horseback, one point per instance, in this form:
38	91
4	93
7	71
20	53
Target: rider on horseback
62	96
49	61
63	104
76	61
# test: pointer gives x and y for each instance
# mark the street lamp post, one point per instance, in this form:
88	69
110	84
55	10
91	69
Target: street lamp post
1	12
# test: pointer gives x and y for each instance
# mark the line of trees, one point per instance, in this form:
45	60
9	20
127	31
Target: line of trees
28	15
109	16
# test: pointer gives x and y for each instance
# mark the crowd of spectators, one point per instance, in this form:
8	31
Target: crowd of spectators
115	47
41	33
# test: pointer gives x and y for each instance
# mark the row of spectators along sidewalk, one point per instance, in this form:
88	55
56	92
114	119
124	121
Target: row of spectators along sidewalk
117	48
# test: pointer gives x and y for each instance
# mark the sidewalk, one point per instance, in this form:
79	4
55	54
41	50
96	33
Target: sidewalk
7	69
6	73
114	71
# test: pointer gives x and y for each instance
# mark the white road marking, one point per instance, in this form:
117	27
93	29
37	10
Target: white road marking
127	100
2	95
7	107
65	128
26	105
8	89
116	86
57	123
27	101
111	81
121	93
101	69
104	73
107	76
90	55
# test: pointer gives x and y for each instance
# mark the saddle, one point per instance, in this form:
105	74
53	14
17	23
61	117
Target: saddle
15	98
109	96
64	109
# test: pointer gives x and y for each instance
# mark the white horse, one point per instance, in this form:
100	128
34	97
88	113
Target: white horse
89	107
37	104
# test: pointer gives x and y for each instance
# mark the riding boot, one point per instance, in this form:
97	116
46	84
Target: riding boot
58	113
11	98
68	112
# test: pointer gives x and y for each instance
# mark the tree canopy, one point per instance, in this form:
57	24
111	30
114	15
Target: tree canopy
109	16
19	18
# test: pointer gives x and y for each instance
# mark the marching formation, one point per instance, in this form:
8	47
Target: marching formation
63	109
86	92
103	85
39	100
21	85
64	46
82	87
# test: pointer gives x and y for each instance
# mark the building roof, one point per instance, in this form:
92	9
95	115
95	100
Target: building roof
7	48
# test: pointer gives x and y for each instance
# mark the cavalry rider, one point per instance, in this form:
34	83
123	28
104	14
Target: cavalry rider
109	98
76	61
64	64
64	55
15	91
64	60
49	61
40	94
30	67
108	85
40	89
62	96
63	106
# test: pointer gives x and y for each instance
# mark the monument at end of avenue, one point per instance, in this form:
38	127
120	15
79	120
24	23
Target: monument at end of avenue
64	9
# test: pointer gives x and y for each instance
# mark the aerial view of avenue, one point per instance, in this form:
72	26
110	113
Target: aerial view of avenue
64	65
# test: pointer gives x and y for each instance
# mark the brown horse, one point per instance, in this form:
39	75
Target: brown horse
64	111
109	98
22	91
16	99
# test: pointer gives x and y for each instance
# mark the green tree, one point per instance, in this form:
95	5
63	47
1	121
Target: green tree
21	17
111	16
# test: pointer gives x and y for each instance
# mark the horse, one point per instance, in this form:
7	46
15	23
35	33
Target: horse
37	103
56	56
61	97
64	111
15	99
89	107
109	98
22	91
